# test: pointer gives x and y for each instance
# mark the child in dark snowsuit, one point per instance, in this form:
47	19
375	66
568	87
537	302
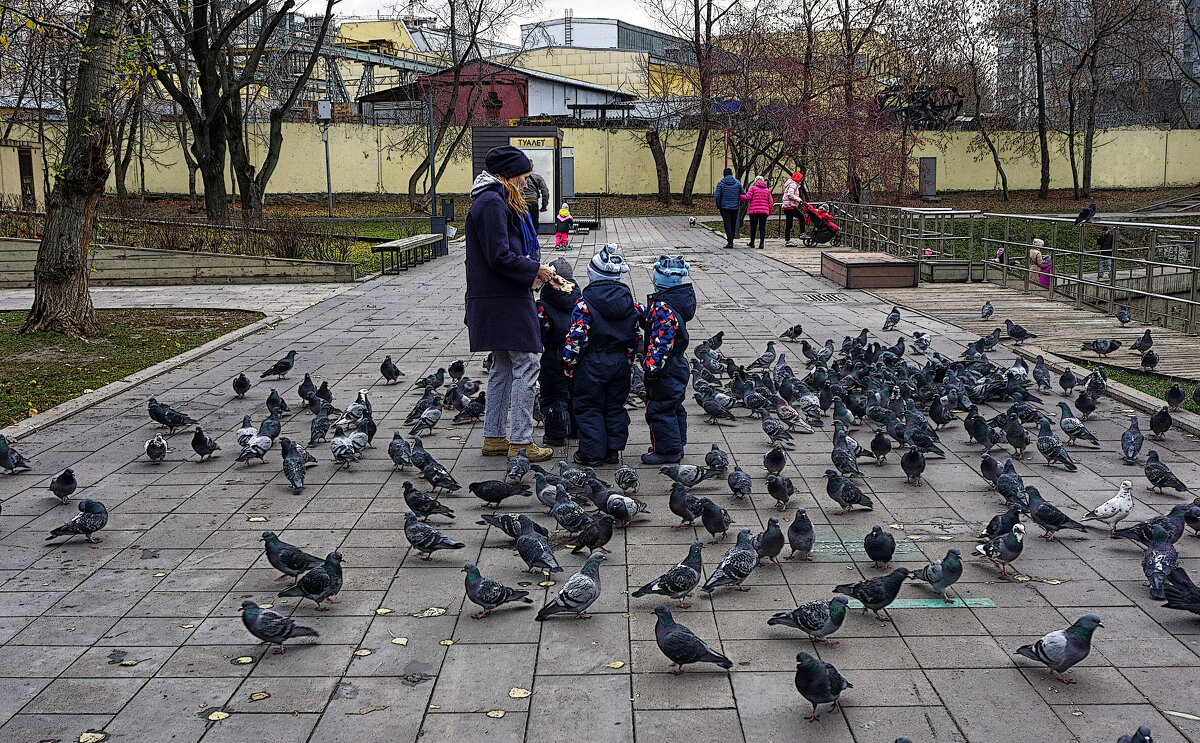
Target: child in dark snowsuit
664	319
599	346
562	228
554	398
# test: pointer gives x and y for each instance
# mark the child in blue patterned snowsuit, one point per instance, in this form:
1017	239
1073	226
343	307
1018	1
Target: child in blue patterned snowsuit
664	320
599	347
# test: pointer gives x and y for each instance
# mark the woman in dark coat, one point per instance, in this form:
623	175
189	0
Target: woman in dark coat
501	316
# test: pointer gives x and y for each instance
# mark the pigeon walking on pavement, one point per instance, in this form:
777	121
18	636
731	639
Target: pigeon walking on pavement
880	546
288	558
1160	476
92	517
1002	549
681	645
1158	561
1115	509
271	627
425	539
490	594
819	682
876	593
892	319
321	583
1064	648
801	536
63	485
735	567
280	368
579	592
1131	442
679	581
943	573
818	619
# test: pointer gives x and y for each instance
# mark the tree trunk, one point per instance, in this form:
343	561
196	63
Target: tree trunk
654	142
689	182
1035	12
1089	137
61	300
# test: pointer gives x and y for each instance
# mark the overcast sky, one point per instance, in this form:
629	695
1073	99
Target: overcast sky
626	10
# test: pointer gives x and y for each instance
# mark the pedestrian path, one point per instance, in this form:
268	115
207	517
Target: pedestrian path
139	636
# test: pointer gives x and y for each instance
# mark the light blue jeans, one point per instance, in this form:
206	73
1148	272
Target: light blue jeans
511	385
1105	265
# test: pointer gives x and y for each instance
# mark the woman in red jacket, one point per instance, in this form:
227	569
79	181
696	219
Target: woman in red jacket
761	204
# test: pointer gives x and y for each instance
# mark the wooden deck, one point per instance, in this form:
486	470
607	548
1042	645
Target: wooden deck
1061	329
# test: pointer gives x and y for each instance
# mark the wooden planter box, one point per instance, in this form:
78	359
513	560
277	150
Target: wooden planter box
949	271
854	270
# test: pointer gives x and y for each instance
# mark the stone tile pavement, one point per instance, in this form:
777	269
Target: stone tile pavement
182	552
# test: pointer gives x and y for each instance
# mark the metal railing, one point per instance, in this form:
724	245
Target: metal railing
1153	269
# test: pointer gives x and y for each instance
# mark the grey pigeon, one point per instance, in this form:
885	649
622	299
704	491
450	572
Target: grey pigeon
844	461
1174	396
1144	343
774	460
256	448
168	417
92	517
1086	214
594	536
1174	523
271	627
569	514
425	539
1101	346
270	427
735	566
1115	509
321	583
986	311
892	320
801	536
280	368
880	546
535	550
276	404
1046	515
425	505
288	558
777	432
1052	449
1123	315
1004	548
293	463
626	478
1072	427
63	485
156	449
518	467
439	479
1002	523
1160	423
680	644
818	619
845	493
1018	333
913	464
716	519
241	385
399	451
1160	476
579	592
493	492
1063	648
319	428
688	475
881	446
1067	381
716	459
1158	561
345	453
819	682
740	483
769	543
509	523
488	593
781	489
427	421
679	581
943	573
389	371
684	505
1181	593
203	444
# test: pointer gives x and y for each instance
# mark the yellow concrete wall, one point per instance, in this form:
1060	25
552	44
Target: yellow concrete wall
391	30
612	68
368	159
10	176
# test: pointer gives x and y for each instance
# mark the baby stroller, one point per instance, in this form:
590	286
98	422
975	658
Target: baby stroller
825	230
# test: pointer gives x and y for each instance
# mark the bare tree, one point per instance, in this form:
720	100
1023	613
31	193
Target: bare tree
61	301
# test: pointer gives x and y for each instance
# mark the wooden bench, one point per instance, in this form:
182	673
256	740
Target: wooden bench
406	252
855	270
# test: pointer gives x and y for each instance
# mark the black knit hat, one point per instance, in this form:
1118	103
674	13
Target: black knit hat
507	162
728	171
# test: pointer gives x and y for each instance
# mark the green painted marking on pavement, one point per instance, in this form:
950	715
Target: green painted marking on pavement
933	604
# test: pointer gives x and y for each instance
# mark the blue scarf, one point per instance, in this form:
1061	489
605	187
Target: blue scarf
530	246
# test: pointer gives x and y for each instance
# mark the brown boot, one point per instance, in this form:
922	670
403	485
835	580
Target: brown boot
534	452
495	446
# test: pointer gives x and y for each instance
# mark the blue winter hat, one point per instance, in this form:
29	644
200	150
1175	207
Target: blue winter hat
607	264
669	271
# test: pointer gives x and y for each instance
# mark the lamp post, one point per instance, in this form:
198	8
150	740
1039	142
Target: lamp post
325	114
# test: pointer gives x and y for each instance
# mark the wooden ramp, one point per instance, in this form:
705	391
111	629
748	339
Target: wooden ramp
1061	329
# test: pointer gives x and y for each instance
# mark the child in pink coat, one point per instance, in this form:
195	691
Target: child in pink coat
761	204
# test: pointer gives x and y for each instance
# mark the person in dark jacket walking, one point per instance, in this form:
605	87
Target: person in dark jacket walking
502	265
728	196
664	319
600	344
1104	245
537	196
554	398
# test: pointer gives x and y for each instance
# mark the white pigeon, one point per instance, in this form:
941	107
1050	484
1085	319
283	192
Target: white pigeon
355	411
1115	509
156	448
245	433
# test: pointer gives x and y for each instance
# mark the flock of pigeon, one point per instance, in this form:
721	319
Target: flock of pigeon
862	384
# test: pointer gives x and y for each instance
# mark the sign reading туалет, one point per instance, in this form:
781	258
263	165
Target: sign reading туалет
531	141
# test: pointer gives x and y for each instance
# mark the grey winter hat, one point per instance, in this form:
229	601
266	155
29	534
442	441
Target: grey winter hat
563	269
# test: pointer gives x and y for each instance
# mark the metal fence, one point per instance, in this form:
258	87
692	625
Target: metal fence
1153	269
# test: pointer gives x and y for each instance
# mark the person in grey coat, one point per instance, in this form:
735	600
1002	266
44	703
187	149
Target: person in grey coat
537	195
